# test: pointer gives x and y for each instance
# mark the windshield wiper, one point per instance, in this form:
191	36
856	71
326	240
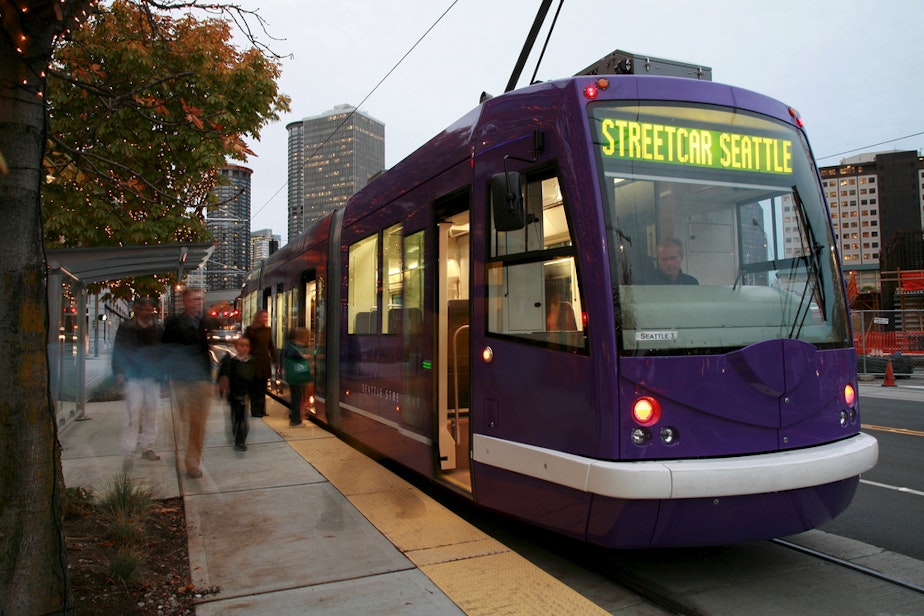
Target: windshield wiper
812	255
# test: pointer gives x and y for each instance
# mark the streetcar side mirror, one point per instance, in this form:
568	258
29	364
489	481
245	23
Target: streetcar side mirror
507	201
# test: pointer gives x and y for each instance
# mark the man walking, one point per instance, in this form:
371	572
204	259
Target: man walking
187	351
136	365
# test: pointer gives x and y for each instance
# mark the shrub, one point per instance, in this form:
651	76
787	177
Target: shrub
124	498
126	530
126	564
129	507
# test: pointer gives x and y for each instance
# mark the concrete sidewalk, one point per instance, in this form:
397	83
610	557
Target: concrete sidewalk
302	523
264	526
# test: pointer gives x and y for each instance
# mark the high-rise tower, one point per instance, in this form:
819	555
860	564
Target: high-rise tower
331	156
230	227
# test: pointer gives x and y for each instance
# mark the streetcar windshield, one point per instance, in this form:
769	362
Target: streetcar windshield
717	230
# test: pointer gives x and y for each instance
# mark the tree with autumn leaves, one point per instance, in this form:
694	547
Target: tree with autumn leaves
113	120
143	108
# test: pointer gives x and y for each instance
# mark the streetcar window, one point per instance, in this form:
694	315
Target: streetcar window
250	306
534	291
394	279
362	306
414	269
278	317
733	199
291	309
546	224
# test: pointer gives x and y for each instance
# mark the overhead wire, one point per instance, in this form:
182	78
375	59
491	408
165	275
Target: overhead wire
356	108
420	40
866	147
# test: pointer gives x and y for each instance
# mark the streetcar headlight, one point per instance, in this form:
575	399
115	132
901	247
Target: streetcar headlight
669	435
641	436
844	417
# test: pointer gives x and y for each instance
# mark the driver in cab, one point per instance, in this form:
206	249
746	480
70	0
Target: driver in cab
670	256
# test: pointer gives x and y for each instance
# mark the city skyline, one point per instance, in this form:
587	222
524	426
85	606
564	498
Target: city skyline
826	61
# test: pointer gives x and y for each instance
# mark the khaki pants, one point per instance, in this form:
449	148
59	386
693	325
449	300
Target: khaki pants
193	401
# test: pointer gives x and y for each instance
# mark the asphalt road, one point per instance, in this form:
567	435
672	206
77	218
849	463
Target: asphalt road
888	509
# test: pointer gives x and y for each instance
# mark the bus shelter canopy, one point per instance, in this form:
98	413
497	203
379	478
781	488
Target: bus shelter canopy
89	265
83	266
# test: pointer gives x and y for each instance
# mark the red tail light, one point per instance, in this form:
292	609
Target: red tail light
646	411
850	395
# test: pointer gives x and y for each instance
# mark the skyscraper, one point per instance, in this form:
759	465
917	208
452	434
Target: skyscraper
331	156
262	244
230	227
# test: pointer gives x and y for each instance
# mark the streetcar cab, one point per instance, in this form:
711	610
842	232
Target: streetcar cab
720	247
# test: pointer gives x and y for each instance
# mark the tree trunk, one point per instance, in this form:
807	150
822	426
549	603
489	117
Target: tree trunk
33	567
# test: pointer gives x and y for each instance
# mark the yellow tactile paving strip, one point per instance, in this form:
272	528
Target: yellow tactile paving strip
479	574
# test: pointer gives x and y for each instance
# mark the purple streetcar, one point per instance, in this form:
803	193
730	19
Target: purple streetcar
609	306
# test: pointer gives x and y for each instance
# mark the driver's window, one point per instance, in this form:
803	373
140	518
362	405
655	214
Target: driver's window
546	223
534	291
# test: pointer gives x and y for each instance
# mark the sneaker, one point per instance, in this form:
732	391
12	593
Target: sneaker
294	424
194	473
150	455
240	447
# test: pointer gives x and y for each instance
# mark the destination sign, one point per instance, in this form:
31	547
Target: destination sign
678	145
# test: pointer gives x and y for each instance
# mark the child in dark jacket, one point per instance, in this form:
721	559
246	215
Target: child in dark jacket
237	380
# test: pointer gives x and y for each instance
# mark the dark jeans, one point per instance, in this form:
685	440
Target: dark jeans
258	399
239	426
295	408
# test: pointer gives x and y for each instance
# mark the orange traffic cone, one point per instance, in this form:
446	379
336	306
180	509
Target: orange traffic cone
889	379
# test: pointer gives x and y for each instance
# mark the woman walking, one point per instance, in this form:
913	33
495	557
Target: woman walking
263	352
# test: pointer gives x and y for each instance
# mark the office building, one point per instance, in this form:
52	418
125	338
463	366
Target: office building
262	244
230	227
875	199
331	156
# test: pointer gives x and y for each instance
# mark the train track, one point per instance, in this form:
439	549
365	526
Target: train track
852	566
776	576
706	582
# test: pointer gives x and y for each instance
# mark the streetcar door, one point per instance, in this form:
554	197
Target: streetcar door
308	318
453	336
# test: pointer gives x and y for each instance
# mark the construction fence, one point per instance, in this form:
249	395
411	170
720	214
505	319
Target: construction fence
883	335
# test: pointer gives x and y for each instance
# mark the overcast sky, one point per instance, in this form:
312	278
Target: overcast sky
852	69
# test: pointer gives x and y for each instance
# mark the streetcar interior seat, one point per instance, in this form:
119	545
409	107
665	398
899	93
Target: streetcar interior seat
411	317
363	322
414	321
394	320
